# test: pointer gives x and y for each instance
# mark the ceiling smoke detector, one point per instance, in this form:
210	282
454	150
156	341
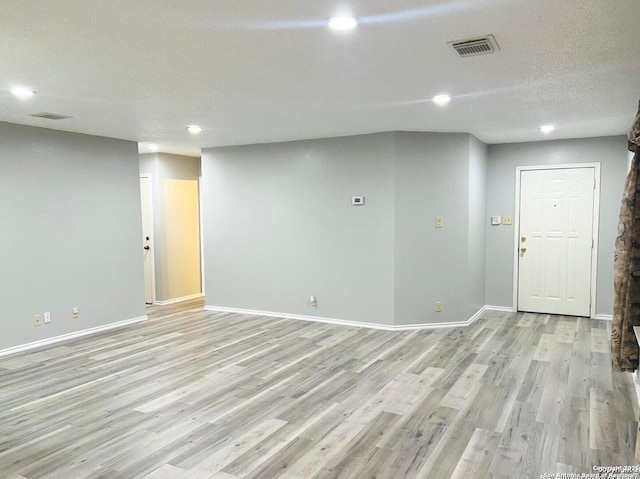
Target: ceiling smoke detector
475	46
50	116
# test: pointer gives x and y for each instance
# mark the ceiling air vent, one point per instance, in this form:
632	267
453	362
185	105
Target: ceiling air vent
475	46
50	116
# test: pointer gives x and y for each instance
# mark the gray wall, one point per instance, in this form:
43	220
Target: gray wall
70	235
148	164
279	227
478	220
178	167
432	179
162	167
503	160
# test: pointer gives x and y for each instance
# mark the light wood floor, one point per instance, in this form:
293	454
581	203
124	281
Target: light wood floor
193	394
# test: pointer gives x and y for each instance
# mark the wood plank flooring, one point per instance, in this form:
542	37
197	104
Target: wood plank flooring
192	394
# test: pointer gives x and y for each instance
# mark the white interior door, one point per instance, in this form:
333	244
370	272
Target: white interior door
556	240
146	200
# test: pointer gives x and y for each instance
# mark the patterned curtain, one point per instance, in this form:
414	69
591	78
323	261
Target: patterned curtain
626	308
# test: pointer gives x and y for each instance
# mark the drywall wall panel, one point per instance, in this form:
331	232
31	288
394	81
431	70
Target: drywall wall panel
70	232
431	264
279	227
181	239
478	221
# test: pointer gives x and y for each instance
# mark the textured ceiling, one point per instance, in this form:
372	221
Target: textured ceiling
251	71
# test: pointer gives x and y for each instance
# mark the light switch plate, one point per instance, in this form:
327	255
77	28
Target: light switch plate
47	317
496	220
357	200
439	222
507	220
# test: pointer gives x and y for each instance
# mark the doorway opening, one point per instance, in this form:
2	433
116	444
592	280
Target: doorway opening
171	227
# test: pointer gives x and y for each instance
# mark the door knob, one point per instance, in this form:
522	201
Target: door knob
147	247
523	251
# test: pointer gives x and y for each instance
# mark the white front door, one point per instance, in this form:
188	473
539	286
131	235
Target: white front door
556	240
146	200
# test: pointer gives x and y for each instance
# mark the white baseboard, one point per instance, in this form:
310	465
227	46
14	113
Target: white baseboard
344	322
506	309
66	337
604	317
179	300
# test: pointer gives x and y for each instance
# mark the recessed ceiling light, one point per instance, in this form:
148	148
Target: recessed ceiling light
194	129
22	92
546	129
441	99
153	147
343	23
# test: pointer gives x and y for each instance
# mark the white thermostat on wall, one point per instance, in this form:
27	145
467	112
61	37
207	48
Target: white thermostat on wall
357	200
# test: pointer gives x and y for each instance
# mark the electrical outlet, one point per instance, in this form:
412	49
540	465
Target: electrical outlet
438	306
314	301
507	220
75	312
47	317
439	222
37	320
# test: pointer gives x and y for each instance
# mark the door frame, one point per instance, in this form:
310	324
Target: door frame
201	232
149	176
594	233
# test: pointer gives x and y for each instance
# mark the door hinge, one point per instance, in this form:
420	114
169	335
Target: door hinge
592	243
594	183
